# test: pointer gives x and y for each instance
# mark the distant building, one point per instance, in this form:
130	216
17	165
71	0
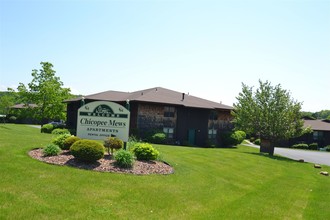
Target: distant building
185	119
320	134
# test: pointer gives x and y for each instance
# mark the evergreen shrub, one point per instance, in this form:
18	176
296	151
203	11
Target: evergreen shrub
300	146
59	131
158	138
87	150
145	151
313	146
68	142
257	141
47	128
327	148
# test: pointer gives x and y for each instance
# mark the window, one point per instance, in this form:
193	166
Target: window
169	132
318	135
213	115
212	134
169	111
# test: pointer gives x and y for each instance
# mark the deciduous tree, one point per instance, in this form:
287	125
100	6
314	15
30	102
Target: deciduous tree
269	112
47	92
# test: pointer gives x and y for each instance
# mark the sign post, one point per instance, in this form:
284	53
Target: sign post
100	119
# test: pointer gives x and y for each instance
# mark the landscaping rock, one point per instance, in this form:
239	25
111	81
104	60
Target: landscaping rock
317	166
325	173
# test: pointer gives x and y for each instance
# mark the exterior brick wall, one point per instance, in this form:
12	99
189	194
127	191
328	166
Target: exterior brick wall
151	117
223	121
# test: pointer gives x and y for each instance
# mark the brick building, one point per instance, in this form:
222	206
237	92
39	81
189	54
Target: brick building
182	117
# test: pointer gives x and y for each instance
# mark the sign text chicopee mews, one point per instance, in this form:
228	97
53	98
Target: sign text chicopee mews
99	120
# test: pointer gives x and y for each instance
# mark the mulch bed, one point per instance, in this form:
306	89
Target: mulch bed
106	164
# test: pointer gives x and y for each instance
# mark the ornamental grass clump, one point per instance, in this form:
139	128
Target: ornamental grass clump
87	150
51	150
124	159
113	143
145	151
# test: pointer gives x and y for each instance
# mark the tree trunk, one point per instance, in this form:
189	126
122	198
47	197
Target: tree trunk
267	146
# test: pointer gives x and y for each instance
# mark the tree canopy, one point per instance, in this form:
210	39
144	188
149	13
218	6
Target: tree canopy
47	92
269	112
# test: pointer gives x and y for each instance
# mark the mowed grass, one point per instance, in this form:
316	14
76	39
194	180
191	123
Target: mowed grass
207	184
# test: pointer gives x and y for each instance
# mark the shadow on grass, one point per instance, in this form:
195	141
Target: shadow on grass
274	157
4	127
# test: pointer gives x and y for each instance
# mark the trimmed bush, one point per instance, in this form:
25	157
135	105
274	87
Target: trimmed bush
113	143
257	141
47	128
145	151
124	159
51	150
59	131
313	146
158	138
87	150
12	119
300	146
59	140
327	148
232	138
240	136
68	142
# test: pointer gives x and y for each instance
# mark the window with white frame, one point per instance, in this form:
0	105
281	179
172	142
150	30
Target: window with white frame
169	132
212	134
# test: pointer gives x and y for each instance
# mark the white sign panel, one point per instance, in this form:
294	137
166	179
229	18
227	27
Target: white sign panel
99	120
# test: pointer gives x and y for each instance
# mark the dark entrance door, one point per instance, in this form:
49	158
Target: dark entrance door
192	136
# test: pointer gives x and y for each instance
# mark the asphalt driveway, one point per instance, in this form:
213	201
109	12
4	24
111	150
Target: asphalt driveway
319	157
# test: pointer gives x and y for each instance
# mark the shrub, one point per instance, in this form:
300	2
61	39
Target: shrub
300	146
132	141
69	141
158	138
51	150
113	143
240	135
145	151
47	128
124	158
87	150
327	148
257	141
59	140
252	139
59	131
12	119
313	146
232	138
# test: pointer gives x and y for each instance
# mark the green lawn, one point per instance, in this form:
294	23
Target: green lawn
207	184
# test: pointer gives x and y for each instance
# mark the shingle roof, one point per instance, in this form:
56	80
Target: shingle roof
318	125
21	106
156	95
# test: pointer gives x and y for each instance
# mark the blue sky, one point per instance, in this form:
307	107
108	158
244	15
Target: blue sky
204	48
